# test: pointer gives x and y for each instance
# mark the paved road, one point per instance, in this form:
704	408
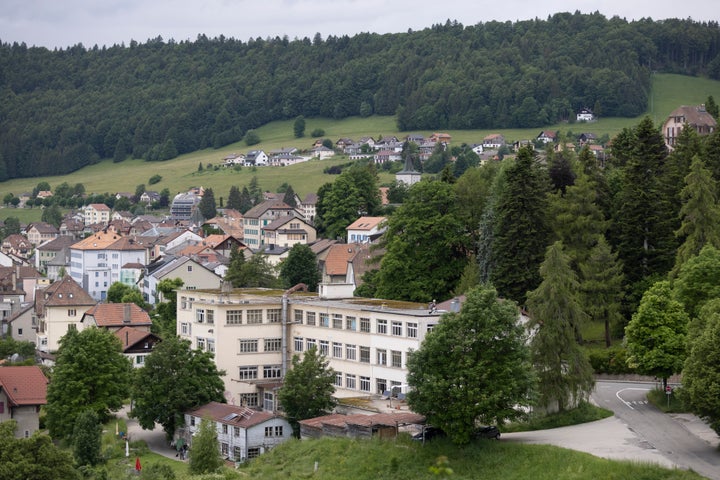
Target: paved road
680	439
155	439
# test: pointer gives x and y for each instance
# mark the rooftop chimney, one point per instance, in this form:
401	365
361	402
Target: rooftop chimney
126	313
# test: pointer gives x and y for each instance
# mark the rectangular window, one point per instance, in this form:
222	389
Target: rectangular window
324	348
337	349
248	346
381	356
337	320
72	312
237	453
184	328
365	384
183	303
299	316
310	343
310	318
338	379
412	330
248	373
350	381
233	317
351	352
365	325
273	315
192	421
382	327
189	268
324	320
299	344
350	323
224	448
253	452
278	430
210	316
254	316
365	354
273	344
249	399
268	402
396	358
268	431
397	328
211	345
201	344
140	360
380	386
272	371
200	315
236	431
224	428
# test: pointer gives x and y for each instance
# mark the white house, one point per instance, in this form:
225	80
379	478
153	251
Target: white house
96	213
585	115
362	229
242	433
256	158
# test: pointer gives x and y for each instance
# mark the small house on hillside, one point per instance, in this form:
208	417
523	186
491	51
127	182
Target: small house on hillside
23	390
585	115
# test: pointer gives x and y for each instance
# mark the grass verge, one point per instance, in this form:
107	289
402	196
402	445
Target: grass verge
667	403
584	413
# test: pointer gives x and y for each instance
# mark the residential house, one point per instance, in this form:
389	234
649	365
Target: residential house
131	273
96	213
440	137
585	138
122	215
183	205
23	391
287	231
260	216
426	149
477	148
695	117
16	245
50	249
343	143
21	324
242	433
254	334
369	141
585	115
97	260
59	308
417	138
285	159
59	265
137	344
342	267
322	152
43	194
364	229
72	227
256	158
234	159
194	275
494	140
384	156
308	207
170	241
114	316
149	197
547	136
40	232
229	222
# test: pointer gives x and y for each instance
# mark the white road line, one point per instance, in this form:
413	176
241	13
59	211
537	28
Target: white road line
627	404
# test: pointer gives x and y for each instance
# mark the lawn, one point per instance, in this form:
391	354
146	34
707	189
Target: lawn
669	92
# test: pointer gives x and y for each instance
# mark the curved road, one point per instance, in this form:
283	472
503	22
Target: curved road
689	446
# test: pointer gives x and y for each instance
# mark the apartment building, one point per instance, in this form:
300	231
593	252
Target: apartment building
254	333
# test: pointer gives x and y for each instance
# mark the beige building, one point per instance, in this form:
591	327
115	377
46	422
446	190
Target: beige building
96	213
254	333
59	308
695	117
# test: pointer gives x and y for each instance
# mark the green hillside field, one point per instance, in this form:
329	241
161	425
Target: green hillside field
669	92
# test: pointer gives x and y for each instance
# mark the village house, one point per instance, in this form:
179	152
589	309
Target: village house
59	308
49	250
321	152
114	316
137	344
193	274
260	216
23	391
39	232
242	433
585	115
287	231
256	158
494	140
695	117
96	213
547	136
16	245
364	229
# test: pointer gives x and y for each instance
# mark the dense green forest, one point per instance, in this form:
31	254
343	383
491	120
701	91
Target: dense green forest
64	109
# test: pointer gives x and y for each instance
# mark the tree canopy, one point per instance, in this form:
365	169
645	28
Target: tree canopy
33	458
204	454
174	379
474	366
90	373
300	267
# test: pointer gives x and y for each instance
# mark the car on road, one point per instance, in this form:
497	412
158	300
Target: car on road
488	432
428	433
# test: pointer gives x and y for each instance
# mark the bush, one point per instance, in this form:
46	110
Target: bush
318	132
155	179
251	138
611	360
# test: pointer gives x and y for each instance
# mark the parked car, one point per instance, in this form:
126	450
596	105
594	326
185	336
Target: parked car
488	432
428	433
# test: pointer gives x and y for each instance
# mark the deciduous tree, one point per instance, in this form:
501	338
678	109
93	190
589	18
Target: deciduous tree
91	373
565	375
473	367
174	379
204	455
308	388
701	375
300	267
299	126
86	438
33	458
698	280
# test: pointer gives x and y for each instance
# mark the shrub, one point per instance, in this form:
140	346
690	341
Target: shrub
155	179
318	132
611	360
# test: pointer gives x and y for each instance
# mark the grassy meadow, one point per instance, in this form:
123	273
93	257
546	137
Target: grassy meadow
669	92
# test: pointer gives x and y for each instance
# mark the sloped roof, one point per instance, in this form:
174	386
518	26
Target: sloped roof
694	115
42	227
99	207
24	385
384	419
66	292
310	199
129	337
130	244
258	210
97	241
366	223
57	244
118	315
337	259
231	414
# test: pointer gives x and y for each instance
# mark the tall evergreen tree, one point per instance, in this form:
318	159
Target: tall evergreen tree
207	206
246	200
701	374
234	199
289	197
602	287
564	373
256	194
644	218
712	107
234	273
521	231
299	126
700	214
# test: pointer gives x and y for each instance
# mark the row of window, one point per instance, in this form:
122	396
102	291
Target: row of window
350	381
337	321
350	351
250	372
250	345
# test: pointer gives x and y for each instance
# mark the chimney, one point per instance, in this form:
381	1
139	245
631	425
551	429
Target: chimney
127	315
127	338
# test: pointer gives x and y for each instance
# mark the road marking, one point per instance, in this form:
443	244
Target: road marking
627	404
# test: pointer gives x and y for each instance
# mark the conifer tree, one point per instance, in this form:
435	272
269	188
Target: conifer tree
521	230
234	200
700	214
207	205
246	201
565	375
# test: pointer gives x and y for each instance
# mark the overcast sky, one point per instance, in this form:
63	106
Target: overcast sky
62	23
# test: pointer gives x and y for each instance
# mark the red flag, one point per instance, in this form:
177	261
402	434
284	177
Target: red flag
138	467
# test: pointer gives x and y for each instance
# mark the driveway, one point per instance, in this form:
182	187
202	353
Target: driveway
155	439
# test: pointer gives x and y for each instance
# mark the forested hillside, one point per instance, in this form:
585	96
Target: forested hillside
64	109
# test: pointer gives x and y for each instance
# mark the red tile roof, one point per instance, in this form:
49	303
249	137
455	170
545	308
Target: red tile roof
24	385
118	315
